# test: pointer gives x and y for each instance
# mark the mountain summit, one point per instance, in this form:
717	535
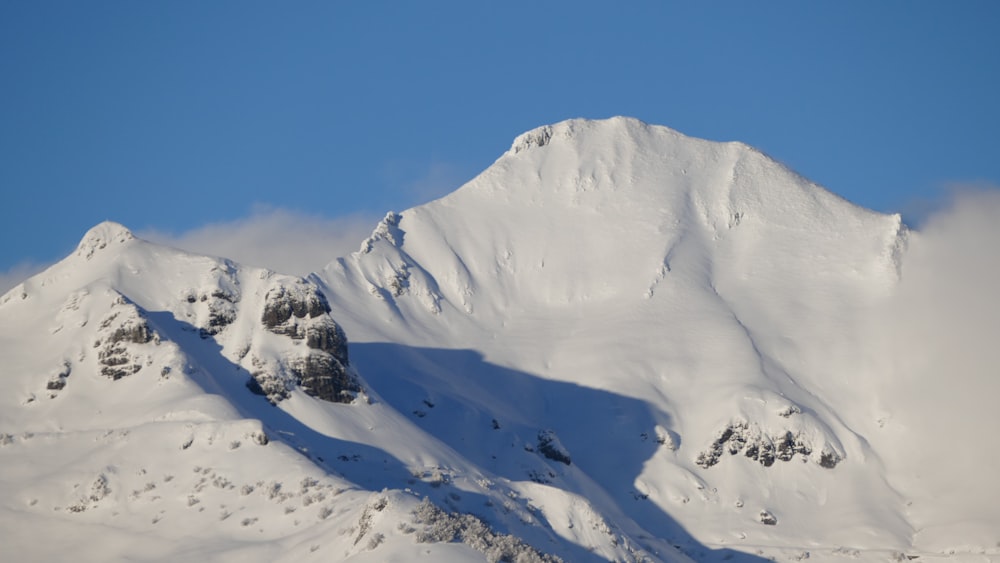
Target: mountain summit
703	280
584	212
615	343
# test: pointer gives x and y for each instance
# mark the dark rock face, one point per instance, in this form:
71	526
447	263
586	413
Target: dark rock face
387	230
328	337
213	306
282	302
221	310
300	311
755	444
767	518
123	326
322	376
550	447
268	385
58	380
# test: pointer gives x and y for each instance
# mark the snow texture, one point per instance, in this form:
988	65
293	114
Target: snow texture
615	343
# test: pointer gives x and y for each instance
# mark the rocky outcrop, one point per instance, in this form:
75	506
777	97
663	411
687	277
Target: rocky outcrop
387	230
57	381
300	311
213	307
102	236
300	300
760	446
124	325
767	518
220	310
550	447
322	376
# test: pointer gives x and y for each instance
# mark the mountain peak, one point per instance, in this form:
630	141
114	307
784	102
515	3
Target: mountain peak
101	236
580	128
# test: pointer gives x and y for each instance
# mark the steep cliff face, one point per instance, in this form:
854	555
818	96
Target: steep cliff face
299	311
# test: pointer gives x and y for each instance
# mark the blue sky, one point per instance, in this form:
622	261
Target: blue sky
198	119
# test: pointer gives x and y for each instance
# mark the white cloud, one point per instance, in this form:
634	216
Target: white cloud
282	240
438	180
920	209
943	351
19	273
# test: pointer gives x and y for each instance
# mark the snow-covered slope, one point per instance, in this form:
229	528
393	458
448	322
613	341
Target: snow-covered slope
616	343
647	287
181	406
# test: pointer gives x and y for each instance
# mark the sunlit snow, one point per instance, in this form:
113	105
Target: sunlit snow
616	343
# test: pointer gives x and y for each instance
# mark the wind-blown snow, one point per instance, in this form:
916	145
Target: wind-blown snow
616	343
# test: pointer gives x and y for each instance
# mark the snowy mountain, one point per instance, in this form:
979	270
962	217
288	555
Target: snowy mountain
616	343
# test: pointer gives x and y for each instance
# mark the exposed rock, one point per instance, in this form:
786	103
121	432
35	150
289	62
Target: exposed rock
300	311
269	385
322	376
101	236
300	300
326	335
221	305
436	525
759	446
534	138
127	325
829	458
58	380
214	305
387	230
767	518
124	325
550	447
399	281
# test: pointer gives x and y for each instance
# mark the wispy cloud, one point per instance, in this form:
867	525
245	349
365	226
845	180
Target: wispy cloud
438	180
19	273
918	210
419	182
282	240
942	329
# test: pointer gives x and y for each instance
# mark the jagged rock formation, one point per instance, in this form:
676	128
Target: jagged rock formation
758	445
550	447
300	311
123	325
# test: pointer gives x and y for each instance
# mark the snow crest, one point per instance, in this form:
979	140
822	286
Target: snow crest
101	236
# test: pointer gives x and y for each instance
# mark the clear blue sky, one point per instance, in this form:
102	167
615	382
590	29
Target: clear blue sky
173	115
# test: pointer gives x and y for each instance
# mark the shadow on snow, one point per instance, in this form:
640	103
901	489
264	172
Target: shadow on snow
494	415
490	414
